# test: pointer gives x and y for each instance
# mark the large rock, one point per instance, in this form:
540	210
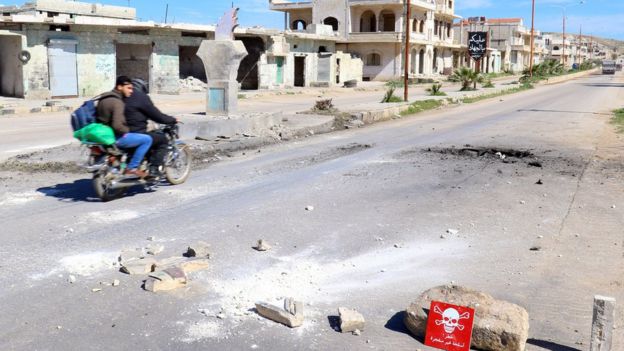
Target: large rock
499	325
291	315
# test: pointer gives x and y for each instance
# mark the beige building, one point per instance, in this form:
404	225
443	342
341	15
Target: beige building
59	48
374	30
507	35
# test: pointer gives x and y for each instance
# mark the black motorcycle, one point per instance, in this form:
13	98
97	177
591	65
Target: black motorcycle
108	163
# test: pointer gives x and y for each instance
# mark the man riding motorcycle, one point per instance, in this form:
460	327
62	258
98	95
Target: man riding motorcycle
110	111
139	109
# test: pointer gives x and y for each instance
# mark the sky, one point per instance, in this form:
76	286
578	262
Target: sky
597	17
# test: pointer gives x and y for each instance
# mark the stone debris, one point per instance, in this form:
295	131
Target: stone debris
139	266
192	84
350	320
116	282
151	238
452	231
499	325
96	290
194	265
154	249
71	279
165	280
131	255
291	315
199	249
357	332
309	208
262	246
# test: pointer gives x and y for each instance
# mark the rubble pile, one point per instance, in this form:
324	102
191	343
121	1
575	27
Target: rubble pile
192	84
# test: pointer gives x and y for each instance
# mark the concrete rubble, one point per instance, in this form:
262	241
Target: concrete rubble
138	266
192	84
350	320
199	249
291	315
165	280
499	325
262	246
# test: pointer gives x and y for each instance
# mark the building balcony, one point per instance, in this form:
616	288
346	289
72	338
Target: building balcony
285	5
375	37
418	4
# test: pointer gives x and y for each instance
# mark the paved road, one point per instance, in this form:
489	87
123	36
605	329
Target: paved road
26	133
381	201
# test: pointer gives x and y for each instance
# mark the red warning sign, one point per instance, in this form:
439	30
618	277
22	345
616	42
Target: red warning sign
449	327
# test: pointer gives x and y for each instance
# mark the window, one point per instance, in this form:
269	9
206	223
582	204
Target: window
373	59
368	22
555	48
299	25
331	21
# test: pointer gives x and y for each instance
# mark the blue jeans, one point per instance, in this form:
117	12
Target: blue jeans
142	143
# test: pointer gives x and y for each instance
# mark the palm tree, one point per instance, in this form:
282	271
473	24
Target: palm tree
467	76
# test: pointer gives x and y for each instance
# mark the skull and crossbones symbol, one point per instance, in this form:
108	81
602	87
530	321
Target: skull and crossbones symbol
450	319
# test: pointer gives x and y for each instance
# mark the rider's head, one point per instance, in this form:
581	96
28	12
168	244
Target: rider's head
140	85
124	86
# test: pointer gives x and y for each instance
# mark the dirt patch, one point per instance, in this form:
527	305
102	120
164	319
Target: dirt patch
489	152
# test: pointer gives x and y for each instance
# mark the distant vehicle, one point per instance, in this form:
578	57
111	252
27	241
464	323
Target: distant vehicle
618	67
608	67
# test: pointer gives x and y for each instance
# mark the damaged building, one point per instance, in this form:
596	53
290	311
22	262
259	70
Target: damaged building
375	30
58	48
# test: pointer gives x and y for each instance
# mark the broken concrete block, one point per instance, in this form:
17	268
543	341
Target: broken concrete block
603	323
154	249
130	255
350	320
199	249
169	279
291	315
499	325
116	282
262	246
194	265
142	266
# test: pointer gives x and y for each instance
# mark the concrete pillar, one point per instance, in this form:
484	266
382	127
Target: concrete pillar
602	323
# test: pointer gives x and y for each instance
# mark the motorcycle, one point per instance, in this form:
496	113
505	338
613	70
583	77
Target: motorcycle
108	163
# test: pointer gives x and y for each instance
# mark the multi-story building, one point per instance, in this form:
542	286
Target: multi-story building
59	48
507	35
375	31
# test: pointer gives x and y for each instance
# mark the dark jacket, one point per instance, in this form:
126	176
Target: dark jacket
110	111
139	109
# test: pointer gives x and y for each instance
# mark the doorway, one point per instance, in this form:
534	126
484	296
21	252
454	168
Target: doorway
63	68
134	61
190	64
248	72
11	71
300	71
279	62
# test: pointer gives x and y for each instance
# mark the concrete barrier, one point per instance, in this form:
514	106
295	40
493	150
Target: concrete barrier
567	77
209	127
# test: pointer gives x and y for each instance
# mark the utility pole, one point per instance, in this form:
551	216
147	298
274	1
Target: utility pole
532	38
564	39
166	13
408	15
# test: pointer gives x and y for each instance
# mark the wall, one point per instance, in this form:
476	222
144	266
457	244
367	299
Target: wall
97	64
390	67
11	79
337	9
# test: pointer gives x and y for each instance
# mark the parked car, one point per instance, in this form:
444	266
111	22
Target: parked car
608	67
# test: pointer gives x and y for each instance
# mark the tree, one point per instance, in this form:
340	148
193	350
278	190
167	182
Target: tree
467	77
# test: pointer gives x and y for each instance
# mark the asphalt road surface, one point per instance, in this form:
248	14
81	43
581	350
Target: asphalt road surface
383	196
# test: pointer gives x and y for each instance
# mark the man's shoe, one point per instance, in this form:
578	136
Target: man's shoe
135	172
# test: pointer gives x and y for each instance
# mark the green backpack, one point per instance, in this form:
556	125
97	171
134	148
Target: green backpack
96	133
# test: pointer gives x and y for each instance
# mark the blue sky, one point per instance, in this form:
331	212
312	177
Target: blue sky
598	17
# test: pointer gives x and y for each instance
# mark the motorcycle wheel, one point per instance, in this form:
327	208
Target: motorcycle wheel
103	191
178	165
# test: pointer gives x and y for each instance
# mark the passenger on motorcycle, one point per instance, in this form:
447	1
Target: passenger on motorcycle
138	111
111	112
